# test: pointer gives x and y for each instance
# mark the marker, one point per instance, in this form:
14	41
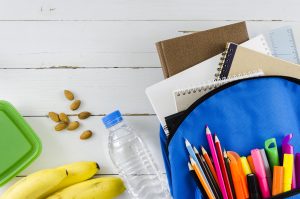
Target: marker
245	166
288	165
216	162
253	186
260	173
272	152
267	167
277	187
250	161
289	149
297	169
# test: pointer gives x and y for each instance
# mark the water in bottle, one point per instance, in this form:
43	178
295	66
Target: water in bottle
133	160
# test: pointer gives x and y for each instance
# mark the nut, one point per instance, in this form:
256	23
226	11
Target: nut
84	115
86	135
75	105
60	126
73	125
53	116
64	118
69	95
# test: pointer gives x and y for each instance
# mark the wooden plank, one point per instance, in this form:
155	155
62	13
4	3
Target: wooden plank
35	44
66	147
35	92
149	10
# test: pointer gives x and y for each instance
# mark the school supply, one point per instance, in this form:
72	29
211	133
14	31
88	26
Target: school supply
297	170
216	163
223	167
272	152
288	165
253	186
267	168
161	93
227	164
238	59
209	163
289	149
185	97
183	52
250	161
260	173
245	166
282	44
197	181
202	179
277	187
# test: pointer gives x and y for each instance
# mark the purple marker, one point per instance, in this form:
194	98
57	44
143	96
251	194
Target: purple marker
297	168
289	149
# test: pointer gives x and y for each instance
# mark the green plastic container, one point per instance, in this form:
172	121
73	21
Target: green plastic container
19	145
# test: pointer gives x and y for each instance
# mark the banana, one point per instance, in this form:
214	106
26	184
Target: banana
98	188
37	185
78	172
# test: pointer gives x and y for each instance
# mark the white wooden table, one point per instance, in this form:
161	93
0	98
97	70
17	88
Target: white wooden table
104	51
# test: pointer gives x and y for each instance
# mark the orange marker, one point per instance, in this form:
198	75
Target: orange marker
202	181
238	176
277	186
250	162
210	164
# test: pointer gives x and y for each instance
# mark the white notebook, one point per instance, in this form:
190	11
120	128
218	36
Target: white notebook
185	97
161	93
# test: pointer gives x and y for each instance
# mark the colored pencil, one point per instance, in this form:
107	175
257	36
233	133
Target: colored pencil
210	164
194	176
202	181
227	164
216	162
213	184
223	167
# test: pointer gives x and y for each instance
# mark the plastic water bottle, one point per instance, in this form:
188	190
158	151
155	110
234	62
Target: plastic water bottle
133	160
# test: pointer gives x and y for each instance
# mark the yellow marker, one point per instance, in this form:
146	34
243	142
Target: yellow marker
288	165
245	165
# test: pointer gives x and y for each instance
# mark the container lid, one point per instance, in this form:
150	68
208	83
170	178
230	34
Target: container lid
19	145
112	119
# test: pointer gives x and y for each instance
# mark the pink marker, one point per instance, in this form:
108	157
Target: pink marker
260	173
216	162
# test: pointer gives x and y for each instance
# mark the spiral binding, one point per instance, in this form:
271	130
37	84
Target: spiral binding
221	63
208	86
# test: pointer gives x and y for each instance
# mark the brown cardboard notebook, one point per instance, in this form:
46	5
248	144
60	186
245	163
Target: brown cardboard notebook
183	52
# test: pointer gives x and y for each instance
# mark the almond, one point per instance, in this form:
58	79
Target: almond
64	118
60	126
86	135
73	125
75	105
84	115
53	116
69	95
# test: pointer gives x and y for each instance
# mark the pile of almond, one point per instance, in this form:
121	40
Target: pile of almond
63	121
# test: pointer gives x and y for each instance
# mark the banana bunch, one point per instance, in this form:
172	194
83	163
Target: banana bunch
66	182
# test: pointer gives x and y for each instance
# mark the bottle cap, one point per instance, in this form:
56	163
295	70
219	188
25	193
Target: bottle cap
112	119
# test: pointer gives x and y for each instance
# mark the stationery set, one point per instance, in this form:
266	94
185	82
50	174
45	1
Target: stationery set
247	91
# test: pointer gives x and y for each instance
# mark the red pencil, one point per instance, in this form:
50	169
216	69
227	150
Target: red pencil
223	168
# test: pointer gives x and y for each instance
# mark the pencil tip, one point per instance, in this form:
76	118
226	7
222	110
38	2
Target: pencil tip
195	150
216	138
203	150
207	130
192	160
187	143
225	154
190	166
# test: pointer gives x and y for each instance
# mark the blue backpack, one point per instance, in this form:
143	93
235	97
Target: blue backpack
244	114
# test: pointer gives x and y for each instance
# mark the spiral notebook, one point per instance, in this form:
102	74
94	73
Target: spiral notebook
187	96
238	59
161	94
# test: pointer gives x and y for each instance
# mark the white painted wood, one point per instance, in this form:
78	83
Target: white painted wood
36	44
149	10
35	92
65	147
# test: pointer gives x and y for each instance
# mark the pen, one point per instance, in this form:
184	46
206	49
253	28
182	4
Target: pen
272	152
216	163
210	164
245	165
289	149
288	165
260	173
277	180
223	167
267	167
195	177
253	186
